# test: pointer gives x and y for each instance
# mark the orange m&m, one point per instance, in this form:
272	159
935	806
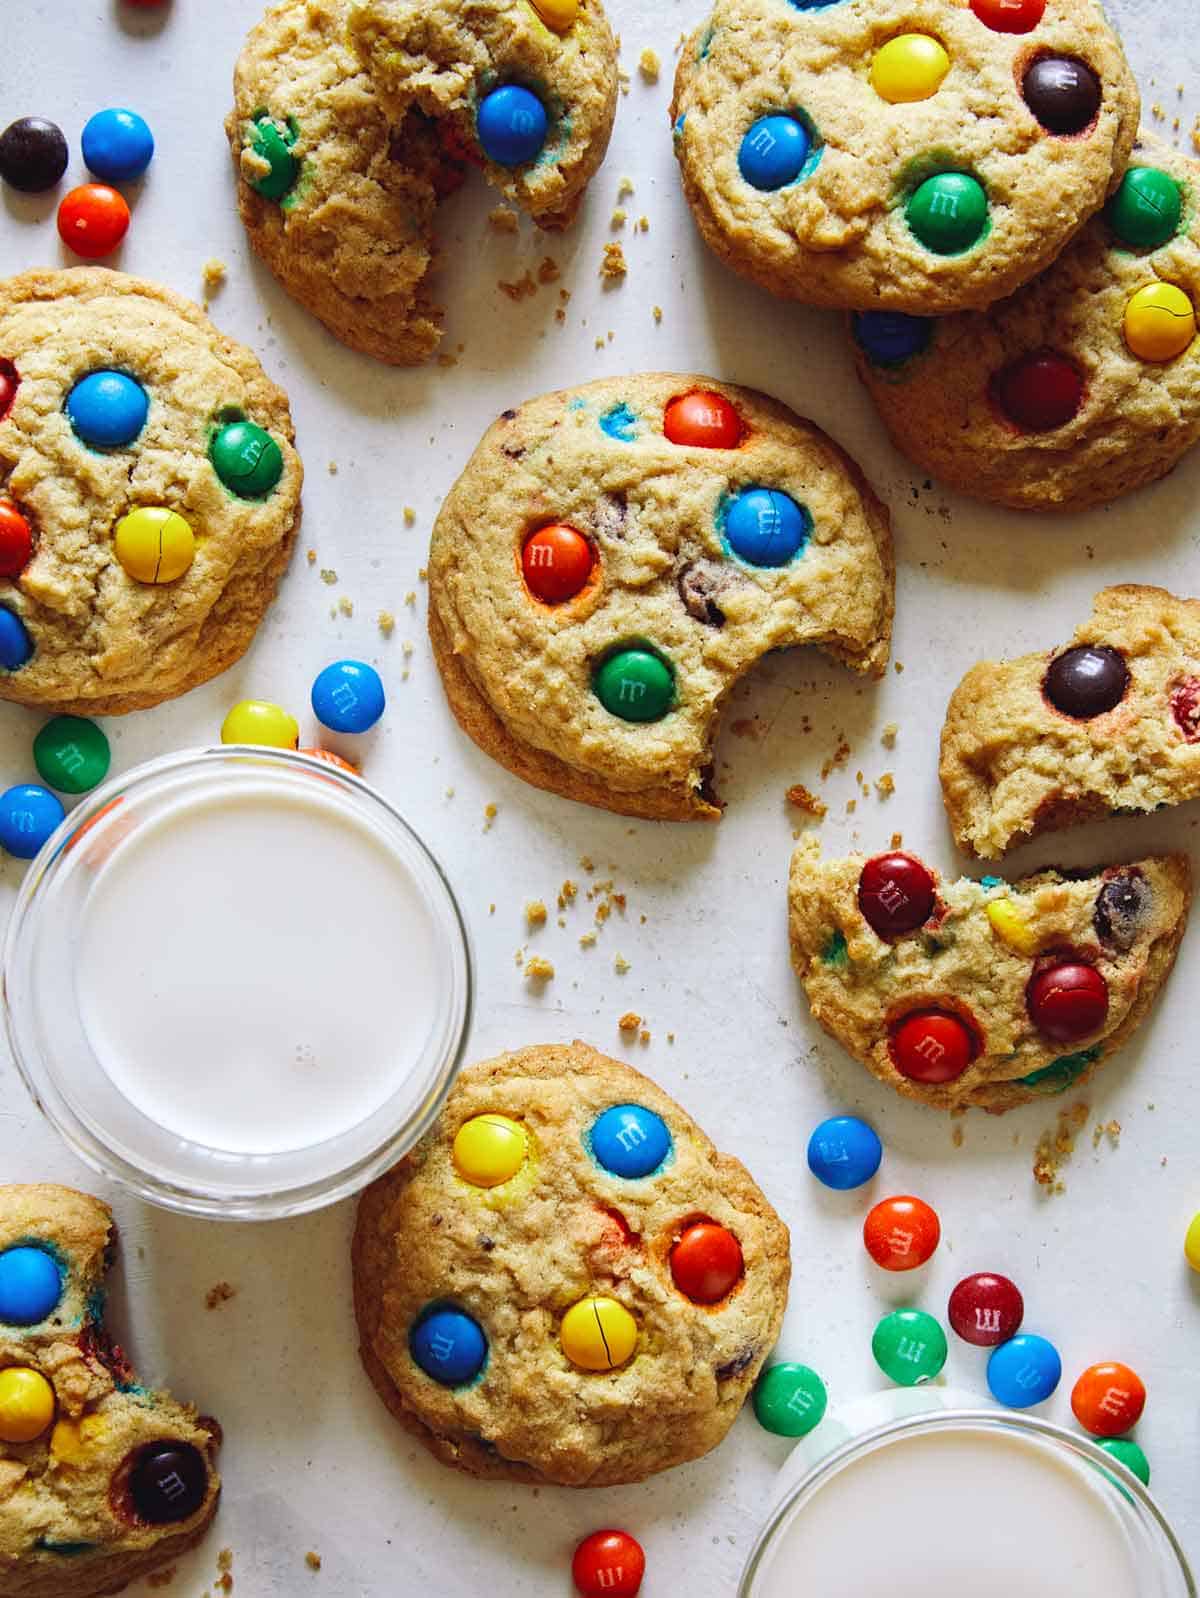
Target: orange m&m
703	420
706	1263
92	220
901	1233
16	540
557	562
1108	1399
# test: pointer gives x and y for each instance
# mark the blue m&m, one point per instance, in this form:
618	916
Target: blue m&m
630	1141
449	1346
30	1285
16	646
890	337
844	1152
107	409
117	145
773	152
765	527
348	696
1023	1371
512	125
28	815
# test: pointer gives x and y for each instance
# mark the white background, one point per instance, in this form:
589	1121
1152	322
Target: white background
312	1460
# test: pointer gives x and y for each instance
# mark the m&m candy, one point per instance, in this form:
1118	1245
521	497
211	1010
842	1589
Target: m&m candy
348	696
1122	908
10	381
1009	16
1108	1399
16	646
271	149
30	1285
1127	1453
901	1233
448	1345
1160	322
766	527
1086	681
1191	1242
1062	92
895	894
26	1404
1146	210
28	816
117	145
512	125
773	152
630	1141
154	544
1185	707
557	14
33	154
107	409
257	721
598	1334
92	220
948	213
635	684
789	1400
1011	927
891	337
932	1046
986	1309
1023	1371
909	1347
556	563
328	758
1038	392
909	67
16	540
1067	1002
702	420
608	1564
168	1482
706	1263
246	458
490	1149
844	1152
72	755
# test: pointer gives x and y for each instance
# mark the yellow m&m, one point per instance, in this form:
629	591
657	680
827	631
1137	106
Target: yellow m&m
909	67
257	721
26	1404
490	1149
1191	1244
557	14
1011	927
1160	322
598	1334
155	545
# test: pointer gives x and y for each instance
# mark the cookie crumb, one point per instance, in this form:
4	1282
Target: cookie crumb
504	220
804	799
1106	1129
613	268
346	606
214	272
409	515
885	785
888	735
519	290
219	1293
657	313
648	65
538	969
956	1137
549	271
643	224
644	1036
670	1037
1056	1146
535	913
618	217
328	576
897	839
386	623
310	556
620	965
490	813
312	1560
624	187
587	940
566	894
630	1021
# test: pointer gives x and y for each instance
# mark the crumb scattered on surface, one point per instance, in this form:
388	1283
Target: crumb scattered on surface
310	556
670	1037
838	758
1106	1129
521	289
630	1021
1056	1146
312	1560
618	217
644	1036
538	969
549	271
624	187
566	894
535	913
657	313
489	816
386	622
409	515
503	219
219	1293
888	735
885	785
897	839
648	65
346	606
804	799
587	940
956	1137
643	224
411	597
328	576
620	965
614	267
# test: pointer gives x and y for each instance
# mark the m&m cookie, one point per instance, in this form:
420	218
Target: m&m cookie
566	1282
615	557
1105	723
1001	992
351	122
149	493
1081	386
877	155
102	1480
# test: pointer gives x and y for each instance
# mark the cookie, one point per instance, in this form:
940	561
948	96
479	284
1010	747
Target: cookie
1084	384
149	461
565	1282
1108	724
616	557
873	154
982	993
351	122
101	1480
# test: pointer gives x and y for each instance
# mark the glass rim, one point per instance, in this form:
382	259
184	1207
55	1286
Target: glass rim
914	1425
95	1150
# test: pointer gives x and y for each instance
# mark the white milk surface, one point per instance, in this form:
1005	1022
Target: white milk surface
956	1515
255	971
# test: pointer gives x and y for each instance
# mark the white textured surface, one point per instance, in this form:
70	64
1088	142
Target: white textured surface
312	1459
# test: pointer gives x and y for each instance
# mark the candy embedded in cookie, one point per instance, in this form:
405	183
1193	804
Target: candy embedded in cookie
616	557
1081	386
1004	992
1107	723
874	157
566	1282
101	1479
353	119
149	493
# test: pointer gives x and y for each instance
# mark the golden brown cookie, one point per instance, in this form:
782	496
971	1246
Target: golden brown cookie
565	1282
876	154
101	1480
1084	384
123	399
616	557
351	122
1108	724
982	993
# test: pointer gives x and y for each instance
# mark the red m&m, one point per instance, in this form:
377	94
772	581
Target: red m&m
901	1233
92	220
16	540
1185	707
1038	392
703	420
895	894
557	562
932	1046
1009	16
706	1263
1067	1002
986	1310
9	382
1108	1399
608	1562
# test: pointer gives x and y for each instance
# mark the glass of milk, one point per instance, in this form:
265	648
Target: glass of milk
237	981
962	1503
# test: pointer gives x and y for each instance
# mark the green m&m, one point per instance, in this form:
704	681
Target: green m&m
272	143
635	684
246	459
948	212
71	754
1147	209
909	1347
1130	1455
789	1400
